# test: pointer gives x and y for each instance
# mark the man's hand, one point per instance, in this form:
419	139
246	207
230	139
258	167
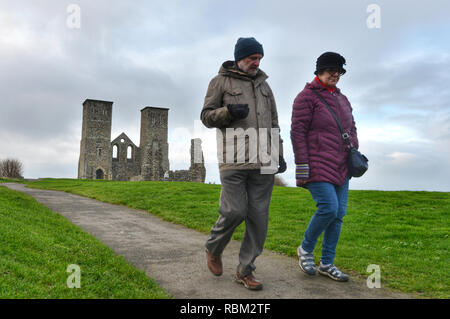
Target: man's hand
238	111
281	165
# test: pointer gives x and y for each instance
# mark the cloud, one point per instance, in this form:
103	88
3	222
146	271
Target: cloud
164	53
399	166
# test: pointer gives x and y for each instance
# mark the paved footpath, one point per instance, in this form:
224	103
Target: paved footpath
175	256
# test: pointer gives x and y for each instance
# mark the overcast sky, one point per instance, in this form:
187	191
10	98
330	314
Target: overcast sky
164	53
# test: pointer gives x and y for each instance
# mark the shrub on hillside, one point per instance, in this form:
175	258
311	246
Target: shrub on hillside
11	168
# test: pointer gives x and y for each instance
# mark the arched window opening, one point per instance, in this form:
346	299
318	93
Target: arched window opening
129	152
115	151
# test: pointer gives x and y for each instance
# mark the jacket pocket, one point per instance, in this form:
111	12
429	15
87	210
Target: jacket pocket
266	95
264	110
265	92
233	96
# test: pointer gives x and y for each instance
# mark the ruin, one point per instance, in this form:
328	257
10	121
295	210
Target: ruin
120	159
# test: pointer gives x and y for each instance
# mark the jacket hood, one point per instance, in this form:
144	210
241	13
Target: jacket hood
229	68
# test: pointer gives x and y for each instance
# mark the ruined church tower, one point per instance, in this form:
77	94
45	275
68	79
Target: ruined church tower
95	145
121	159
153	144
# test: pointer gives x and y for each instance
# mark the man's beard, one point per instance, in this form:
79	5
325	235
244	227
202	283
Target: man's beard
252	72
247	70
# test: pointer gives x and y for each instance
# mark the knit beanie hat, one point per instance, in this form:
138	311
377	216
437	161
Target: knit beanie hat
330	60
245	47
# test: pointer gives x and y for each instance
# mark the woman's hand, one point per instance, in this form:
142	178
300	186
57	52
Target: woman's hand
301	182
301	174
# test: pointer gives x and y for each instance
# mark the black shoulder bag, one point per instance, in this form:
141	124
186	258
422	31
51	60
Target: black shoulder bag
357	162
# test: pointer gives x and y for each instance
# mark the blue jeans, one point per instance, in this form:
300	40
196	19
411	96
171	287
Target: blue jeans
331	203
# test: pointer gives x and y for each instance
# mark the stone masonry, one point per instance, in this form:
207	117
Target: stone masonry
120	159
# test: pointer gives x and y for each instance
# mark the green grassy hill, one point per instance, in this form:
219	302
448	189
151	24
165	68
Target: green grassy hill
405	233
37	247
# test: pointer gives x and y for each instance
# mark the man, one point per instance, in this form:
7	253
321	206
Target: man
239	99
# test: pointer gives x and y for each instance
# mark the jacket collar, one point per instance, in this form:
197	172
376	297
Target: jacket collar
229	68
330	89
316	85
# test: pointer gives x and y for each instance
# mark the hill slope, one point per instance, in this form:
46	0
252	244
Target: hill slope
405	233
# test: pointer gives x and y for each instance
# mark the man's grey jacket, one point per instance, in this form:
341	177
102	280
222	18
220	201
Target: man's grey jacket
233	86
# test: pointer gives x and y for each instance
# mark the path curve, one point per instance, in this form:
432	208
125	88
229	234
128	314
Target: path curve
175	256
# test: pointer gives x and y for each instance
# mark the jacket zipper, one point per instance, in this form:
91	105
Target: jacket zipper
257	124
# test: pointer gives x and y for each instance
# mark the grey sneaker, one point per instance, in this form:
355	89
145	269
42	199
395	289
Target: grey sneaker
332	272
306	261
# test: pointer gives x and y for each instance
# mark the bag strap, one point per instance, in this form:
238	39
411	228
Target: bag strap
344	135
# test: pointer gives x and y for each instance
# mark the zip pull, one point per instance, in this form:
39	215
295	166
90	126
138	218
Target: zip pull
346	138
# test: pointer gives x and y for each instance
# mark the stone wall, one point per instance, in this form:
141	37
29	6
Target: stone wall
126	158
153	144
197	170
121	159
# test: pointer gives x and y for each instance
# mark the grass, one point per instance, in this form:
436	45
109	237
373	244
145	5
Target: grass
38	245
405	233
11	180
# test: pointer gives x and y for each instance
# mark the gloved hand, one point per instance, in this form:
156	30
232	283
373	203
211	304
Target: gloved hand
238	111
302	174
281	165
301	182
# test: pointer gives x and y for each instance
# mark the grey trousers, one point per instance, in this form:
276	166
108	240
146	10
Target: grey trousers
245	196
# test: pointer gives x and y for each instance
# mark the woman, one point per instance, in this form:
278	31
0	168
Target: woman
321	160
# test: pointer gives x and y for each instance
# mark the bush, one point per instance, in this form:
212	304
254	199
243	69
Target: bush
11	168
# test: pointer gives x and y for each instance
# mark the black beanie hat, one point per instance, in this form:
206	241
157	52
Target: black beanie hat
330	60
245	47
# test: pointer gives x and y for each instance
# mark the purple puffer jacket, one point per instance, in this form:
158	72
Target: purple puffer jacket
320	152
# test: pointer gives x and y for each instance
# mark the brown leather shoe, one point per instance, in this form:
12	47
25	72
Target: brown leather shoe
214	263
249	281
